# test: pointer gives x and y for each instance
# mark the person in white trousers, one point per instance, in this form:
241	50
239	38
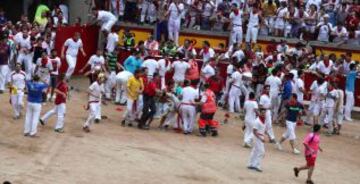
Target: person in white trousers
235	90
35	89
349	91
253	26
265	103
275	83
60	105
95	93
121	82
106	19
251	108
72	47
236	23
25	57
258	151
187	107
4	62
17	81
175	13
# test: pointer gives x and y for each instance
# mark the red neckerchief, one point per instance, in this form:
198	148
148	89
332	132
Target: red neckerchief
292	102
330	88
265	93
206	50
236	12
326	63
44	61
262	119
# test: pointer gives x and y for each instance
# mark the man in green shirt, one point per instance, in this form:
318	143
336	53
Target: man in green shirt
113	66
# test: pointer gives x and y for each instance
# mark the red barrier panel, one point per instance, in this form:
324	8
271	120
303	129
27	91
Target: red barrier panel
89	36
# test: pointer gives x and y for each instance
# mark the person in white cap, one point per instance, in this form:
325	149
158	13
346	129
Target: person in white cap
95	93
324	29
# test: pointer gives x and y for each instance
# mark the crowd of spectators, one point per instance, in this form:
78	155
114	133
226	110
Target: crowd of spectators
322	20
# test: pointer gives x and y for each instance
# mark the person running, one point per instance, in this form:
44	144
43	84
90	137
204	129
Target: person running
95	92
312	146
293	109
60	105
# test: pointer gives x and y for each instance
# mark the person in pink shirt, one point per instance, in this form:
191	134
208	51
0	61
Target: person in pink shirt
312	146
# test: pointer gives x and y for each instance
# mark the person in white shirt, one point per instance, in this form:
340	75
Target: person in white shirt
148	11
253	26
317	89
106	19
208	71
96	63
275	84
330	102
121	84
187	106
152	67
95	92
258	151
235	90
207	52
17	80
72	46
164	67
23	45
325	29
239	55
300	86
265	103
339	109
56	64
280	19
325	66
236	23
175	13
43	68
180	67
112	41
250	108
340	33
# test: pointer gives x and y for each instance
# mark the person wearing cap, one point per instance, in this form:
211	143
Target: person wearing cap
17	81
35	90
61	92
95	92
325	28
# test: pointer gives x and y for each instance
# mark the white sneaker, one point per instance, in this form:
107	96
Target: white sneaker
279	147
296	152
348	119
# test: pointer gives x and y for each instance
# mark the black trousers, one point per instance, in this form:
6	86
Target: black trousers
149	109
130	11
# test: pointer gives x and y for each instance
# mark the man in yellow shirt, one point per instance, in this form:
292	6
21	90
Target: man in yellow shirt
269	12
135	87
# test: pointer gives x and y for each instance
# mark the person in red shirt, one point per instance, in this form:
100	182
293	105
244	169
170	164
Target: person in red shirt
352	23
151	89
216	84
61	92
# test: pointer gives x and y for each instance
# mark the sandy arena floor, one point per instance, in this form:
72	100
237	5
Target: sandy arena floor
115	154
